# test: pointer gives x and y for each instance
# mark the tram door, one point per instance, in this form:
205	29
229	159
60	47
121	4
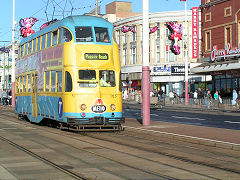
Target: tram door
34	95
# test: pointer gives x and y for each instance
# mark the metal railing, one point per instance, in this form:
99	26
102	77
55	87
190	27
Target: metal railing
192	103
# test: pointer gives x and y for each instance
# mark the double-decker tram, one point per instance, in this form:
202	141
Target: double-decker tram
68	73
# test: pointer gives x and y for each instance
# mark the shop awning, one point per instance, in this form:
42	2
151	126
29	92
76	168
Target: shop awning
206	69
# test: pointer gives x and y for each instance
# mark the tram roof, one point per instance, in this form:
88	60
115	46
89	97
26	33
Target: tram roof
71	22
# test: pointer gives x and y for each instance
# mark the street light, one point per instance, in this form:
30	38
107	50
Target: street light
145	66
13	55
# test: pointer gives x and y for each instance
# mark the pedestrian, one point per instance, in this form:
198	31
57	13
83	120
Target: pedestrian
208	98
1	97
171	97
195	96
234	97
9	93
4	97
216	98
160	95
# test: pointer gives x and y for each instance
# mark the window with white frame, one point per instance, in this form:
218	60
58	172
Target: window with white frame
158	53
124	56
133	52
134	37
125	38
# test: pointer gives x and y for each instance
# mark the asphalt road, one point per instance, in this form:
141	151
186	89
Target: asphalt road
209	120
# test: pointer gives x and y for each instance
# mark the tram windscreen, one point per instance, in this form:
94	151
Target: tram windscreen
87	78
84	34
107	78
102	34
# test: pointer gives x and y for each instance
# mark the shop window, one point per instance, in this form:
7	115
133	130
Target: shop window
68	82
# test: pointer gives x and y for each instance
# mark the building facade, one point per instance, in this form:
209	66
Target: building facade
221	44
5	67
167	69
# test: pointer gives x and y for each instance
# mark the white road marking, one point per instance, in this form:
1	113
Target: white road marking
232	122
154	114
179	117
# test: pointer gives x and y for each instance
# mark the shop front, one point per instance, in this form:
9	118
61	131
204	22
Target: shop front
224	66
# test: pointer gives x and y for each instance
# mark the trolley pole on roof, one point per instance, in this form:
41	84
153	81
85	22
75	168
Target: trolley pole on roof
96	11
145	66
13	56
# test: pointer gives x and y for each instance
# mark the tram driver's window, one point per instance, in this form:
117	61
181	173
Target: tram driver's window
68	82
102	34
84	34
87	78
107	78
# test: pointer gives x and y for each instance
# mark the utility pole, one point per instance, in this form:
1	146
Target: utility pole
186	56
96	11
4	69
145	66
13	56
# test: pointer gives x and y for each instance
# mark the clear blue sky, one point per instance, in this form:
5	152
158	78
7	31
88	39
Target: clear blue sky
37	8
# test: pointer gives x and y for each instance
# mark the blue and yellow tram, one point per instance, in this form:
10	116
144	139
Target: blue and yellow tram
69	72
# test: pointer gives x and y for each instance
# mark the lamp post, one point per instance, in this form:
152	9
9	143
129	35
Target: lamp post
145	66
13	56
185	55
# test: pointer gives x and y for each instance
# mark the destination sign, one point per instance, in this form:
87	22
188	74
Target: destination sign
96	56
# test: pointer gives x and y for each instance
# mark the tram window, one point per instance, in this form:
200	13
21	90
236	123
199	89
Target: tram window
87	78
39	44
68	82
29	83
59	81
54	38
83	34
102	34
107	78
53	81
26	48
43	41
60	35
21	84
34	45
47	76
22	50
30	48
49	39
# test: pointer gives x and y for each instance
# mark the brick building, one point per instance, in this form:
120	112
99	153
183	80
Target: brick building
221	44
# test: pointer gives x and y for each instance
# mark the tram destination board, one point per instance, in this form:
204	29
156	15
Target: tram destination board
96	56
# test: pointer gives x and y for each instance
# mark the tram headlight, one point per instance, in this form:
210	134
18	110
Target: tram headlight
112	107
83	107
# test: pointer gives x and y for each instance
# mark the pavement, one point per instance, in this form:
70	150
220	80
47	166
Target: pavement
210	136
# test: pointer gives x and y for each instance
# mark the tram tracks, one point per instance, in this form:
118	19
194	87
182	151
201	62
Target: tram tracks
95	152
46	161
